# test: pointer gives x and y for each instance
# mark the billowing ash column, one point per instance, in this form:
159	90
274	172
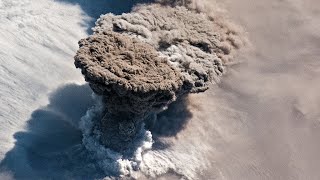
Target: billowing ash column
141	61
133	80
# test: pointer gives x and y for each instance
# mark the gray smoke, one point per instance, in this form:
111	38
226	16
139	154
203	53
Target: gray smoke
142	61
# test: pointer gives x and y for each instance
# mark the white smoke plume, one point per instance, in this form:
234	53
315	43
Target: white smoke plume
112	162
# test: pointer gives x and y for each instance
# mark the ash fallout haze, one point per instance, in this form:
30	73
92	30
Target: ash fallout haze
159	89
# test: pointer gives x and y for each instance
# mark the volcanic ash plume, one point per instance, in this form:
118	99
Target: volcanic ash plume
142	61
192	42
132	79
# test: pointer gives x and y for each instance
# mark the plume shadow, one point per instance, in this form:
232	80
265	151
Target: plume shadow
95	8
51	147
169	122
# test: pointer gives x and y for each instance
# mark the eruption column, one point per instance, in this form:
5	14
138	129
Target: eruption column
132	79
142	61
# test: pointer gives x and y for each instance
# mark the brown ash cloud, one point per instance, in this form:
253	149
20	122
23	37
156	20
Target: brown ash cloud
132	79
192	42
142	61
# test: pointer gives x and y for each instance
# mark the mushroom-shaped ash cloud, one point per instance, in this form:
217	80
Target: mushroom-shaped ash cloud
142	61
133	80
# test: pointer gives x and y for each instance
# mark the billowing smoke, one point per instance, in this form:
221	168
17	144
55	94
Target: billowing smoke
142	61
192	42
132	79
